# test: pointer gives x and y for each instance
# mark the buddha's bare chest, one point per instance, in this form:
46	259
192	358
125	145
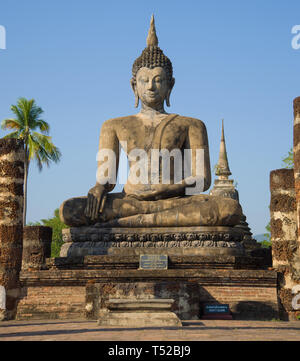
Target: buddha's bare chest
147	137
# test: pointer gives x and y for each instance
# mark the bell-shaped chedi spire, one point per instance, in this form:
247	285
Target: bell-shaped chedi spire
152	39
222	169
223	186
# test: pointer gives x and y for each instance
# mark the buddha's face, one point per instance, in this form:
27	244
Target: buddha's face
152	86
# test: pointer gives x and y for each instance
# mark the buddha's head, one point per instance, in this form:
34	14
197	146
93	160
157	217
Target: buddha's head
152	74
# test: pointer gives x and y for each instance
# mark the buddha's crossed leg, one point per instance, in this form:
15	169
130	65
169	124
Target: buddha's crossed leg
123	211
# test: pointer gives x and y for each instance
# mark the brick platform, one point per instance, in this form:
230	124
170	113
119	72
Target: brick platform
66	291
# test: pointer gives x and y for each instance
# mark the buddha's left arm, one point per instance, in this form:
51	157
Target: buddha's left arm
197	141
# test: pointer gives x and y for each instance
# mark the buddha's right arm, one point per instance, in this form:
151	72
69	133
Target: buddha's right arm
108	156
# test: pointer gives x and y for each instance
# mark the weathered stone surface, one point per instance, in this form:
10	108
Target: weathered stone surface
282	179
285	296
283	203
284	250
57	288
296	104
12	148
156	304
139	312
152	234
189	284
2	303
11	228
124	211
158	199
58	302
82	241
36	246
174	262
285	222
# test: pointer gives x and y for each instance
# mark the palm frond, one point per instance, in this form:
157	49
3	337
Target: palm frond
11	123
24	107
44	150
43	126
20	116
15	135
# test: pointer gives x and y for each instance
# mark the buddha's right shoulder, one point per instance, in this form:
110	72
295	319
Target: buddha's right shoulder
115	123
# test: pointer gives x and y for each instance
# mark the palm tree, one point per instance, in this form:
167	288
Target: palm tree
38	146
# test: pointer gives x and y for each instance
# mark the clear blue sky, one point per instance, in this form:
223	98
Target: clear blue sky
232	60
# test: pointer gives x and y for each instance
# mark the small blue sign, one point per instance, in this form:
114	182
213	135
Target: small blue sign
153	261
216	309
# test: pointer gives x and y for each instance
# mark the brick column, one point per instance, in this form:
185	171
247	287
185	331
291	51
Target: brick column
283	234
296	150
11	226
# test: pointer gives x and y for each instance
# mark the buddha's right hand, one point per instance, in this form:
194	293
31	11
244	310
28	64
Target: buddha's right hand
95	201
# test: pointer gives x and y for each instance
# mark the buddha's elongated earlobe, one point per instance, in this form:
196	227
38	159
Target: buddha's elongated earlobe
169	92
137	99
168	99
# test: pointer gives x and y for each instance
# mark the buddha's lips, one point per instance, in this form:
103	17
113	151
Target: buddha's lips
153	95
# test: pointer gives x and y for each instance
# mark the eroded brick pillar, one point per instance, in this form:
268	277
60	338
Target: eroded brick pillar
283	234
11	226
296	150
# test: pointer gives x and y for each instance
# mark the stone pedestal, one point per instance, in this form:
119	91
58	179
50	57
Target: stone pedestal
11	222
205	241
139	313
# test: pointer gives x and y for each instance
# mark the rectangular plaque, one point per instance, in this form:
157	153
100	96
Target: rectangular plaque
209	309
216	312
153	261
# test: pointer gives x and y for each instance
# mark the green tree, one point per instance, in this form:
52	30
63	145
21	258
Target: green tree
57	225
38	146
267	237
288	161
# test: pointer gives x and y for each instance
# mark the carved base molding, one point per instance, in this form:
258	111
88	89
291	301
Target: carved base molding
155	237
93	240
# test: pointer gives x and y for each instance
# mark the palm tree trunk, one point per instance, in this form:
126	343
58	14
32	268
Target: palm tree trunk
26	169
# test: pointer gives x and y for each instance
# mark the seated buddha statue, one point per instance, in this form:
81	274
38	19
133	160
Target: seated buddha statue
148	203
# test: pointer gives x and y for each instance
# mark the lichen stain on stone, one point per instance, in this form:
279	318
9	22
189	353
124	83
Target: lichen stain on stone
276	228
12	169
283	203
283	250
14	188
286	296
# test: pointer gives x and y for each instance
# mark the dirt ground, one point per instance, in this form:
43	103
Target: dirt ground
201	330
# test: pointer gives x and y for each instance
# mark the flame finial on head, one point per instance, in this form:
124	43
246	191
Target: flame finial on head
152	39
152	56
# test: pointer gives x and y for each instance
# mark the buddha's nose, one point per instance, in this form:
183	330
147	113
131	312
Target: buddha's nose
150	85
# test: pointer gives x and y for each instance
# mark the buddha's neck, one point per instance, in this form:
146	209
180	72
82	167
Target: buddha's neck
152	112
